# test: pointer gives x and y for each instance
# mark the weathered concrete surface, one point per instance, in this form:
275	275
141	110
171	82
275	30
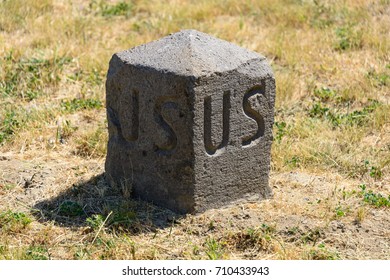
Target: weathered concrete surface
190	122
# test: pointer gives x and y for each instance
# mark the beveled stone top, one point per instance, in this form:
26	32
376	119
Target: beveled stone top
188	53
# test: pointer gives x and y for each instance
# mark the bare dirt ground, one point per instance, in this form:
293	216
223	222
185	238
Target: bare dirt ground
299	222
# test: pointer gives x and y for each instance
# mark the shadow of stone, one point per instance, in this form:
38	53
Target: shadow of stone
93	203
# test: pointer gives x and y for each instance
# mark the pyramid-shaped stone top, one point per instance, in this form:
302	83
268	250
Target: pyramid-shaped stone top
189	53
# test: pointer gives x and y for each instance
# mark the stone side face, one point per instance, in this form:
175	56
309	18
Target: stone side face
150	149
233	139
190	122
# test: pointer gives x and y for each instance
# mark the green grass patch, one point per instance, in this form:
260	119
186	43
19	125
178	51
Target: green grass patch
70	208
365	167
294	161
95	222
324	93
348	38
321	252
30	77
281	130
374	199
214	249
14	221
341	211
9	124
337	118
107	9
36	253
379	79
120	220
76	104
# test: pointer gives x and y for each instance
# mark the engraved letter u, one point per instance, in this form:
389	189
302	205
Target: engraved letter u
210	147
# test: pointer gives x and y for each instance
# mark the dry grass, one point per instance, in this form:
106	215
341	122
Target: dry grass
330	157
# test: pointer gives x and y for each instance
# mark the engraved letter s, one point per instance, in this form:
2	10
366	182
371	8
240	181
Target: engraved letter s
254	93
161	103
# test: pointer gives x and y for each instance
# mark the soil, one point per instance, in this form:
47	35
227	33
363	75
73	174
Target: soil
303	212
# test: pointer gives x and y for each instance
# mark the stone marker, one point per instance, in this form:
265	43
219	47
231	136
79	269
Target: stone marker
190	122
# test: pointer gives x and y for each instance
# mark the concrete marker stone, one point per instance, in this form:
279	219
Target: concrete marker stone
190	122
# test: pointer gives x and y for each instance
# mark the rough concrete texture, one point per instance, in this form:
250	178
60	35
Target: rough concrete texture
190	122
